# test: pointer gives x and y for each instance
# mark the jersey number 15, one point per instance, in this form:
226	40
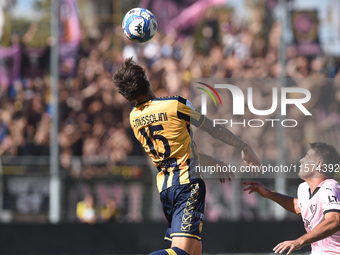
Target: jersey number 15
151	144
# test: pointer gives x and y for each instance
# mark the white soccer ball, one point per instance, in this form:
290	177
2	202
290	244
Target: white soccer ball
139	25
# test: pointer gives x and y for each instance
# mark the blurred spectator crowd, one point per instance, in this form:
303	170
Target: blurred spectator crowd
95	137
94	118
88	213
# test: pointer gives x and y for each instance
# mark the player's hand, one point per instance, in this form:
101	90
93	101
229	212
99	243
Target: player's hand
256	187
250	159
288	245
224	175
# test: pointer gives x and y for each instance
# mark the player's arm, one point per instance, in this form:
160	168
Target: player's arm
328	227
210	161
329	199
223	134
186	111
287	202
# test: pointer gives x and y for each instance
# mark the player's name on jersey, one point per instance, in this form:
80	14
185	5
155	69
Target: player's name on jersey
148	119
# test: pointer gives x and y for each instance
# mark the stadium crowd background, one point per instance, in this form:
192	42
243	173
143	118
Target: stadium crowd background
94	118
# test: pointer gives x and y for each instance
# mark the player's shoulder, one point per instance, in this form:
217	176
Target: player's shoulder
303	186
302	189
166	103
329	185
181	100
185	102
166	98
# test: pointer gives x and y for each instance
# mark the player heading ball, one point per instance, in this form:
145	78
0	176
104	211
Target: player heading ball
167	138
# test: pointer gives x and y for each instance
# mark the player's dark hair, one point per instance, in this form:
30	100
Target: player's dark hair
131	80
329	155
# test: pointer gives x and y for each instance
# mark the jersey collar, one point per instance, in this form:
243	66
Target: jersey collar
316	189
143	102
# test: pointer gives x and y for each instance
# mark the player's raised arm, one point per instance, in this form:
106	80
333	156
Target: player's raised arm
328	227
287	202
186	111
223	134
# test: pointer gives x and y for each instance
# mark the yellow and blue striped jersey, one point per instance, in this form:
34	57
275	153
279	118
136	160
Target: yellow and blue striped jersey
162	126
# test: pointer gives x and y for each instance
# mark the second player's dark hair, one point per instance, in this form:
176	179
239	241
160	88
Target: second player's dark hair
329	155
131	80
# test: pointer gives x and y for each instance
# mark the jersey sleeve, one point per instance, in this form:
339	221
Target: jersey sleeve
187	112
330	199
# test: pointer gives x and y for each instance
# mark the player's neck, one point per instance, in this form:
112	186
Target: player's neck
146	97
314	182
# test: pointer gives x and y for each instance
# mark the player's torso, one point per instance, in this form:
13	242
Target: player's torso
166	138
312	214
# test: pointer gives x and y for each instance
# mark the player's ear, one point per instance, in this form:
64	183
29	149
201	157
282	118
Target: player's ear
319	165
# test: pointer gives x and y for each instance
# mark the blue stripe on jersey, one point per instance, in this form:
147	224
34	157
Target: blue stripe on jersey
192	162
175	178
159	99
189	131
165	98
149	142
176	171
182	100
183	116
165	183
166	175
197	123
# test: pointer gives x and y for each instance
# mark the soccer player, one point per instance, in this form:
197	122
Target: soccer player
317	201
162	126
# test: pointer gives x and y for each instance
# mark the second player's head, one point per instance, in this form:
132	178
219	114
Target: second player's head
321	160
131	80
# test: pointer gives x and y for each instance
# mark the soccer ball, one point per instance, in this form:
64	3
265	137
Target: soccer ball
139	25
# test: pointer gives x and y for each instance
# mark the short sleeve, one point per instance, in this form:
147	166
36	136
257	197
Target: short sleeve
330	199
187	112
